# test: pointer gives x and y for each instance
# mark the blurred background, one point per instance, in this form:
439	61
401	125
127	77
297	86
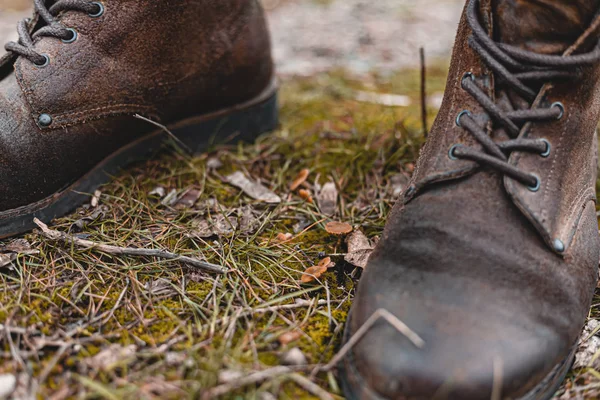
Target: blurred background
313	36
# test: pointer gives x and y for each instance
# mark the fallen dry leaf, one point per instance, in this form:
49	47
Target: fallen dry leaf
7	259
112	356
327	199
243	221
359	249
253	189
305	194
284	237
313	273
188	199
219	226
338	228
158	191
170	198
300	179
289	337
326	262
16	246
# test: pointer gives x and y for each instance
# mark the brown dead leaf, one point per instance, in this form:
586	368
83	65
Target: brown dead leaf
289	337
359	249
16	246
188	199
300	179
218	226
7	259
327	199
253	189
326	262
305	194
338	228
241	220
284	237
313	273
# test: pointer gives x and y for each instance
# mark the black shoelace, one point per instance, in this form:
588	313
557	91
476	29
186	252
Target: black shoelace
516	68
52	27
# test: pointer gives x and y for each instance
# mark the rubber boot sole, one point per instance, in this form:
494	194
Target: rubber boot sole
243	122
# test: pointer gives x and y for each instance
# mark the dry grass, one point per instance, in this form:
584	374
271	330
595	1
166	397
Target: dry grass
79	323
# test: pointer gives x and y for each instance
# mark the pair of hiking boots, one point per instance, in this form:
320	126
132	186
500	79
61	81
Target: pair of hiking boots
490	257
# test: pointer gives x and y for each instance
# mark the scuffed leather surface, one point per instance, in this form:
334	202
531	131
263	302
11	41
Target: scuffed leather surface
161	59
434	165
477	288
567	180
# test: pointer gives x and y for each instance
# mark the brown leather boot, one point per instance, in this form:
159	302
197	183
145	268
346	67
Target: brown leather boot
491	257
69	91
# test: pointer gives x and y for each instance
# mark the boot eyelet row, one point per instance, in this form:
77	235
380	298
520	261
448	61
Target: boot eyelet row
74	34
73	37
101	10
546	153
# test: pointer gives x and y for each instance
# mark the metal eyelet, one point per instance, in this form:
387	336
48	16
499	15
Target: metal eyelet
45	63
73	37
44	120
561	107
559	246
548	148
467	75
537	185
451	154
101	10
459	116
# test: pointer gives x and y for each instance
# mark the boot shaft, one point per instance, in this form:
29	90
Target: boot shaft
546	26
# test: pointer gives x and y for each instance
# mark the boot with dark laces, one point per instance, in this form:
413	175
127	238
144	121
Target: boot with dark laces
524	72
490	258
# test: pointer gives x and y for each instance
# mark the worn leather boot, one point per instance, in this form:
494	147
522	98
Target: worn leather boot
491	257
71	88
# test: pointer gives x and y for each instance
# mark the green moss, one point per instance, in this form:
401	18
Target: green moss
185	332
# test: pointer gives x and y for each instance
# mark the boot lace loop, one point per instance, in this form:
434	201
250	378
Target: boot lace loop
52	28
517	69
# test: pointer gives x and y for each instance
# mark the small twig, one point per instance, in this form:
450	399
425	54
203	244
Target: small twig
246	381
167	131
127	251
423	91
380	313
498	377
311	387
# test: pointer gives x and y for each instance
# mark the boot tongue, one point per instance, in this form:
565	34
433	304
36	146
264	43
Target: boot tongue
542	26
